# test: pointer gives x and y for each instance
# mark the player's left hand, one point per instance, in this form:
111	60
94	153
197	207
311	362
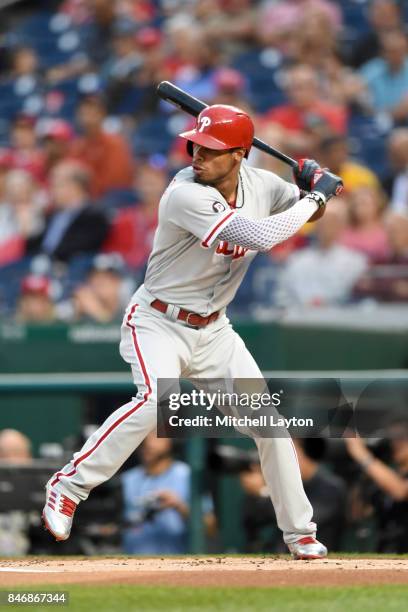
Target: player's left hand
304	173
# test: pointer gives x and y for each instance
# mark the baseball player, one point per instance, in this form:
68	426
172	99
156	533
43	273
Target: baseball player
213	219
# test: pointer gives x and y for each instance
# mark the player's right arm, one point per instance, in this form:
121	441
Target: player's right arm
263	234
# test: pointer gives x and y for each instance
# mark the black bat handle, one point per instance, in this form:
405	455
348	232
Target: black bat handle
263	146
176	96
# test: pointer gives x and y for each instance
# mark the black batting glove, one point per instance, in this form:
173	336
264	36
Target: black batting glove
304	172
325	185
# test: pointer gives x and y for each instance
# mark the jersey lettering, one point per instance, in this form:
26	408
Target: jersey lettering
226	249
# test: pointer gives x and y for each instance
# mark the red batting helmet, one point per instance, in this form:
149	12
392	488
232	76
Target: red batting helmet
221	127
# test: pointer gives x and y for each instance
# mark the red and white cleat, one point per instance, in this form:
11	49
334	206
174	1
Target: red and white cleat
307	548
58	513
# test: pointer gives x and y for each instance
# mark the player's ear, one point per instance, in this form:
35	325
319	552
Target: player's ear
239	154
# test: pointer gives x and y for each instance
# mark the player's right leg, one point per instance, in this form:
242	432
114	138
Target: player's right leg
153	348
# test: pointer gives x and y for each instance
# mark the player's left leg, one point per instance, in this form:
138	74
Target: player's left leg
225	355
154	349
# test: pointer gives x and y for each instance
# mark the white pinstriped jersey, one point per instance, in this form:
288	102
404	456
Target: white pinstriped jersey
188	266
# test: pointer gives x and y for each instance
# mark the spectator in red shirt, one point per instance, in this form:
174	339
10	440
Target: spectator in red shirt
306	117
107	155
133	229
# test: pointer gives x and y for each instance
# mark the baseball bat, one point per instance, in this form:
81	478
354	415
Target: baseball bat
176	96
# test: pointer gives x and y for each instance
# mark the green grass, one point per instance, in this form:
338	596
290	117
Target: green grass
118	598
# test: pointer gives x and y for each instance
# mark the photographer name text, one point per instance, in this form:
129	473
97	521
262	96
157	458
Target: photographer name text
243	421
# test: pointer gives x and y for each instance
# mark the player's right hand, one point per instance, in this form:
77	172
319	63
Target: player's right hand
326	184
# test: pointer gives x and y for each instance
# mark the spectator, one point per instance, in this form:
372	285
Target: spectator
366	232
394	183
150	45
156	497
327	494
389	282
25	63
199	60
334	154
24	152
99	30
386	78
231	88
392	482
308	46
133	228
21	216
339	83
76	227
15	449
323	274
105	293
280	22
383	16
306	118
35	304
95	19
233	27
120	69
56	136
107	155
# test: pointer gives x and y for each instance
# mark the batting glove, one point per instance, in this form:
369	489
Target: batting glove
325	185
304	172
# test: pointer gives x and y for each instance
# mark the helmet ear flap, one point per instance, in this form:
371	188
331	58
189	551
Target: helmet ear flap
189	148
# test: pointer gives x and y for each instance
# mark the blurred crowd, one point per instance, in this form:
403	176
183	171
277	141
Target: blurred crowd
358	489
87	148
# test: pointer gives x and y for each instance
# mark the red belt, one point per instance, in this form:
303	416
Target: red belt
191	318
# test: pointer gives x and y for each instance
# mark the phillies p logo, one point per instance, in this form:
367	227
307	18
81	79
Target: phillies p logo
204	123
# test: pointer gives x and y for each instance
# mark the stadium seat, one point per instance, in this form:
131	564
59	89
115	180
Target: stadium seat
152	136
73	275
10	284
368	143
257	289
117	198
262	71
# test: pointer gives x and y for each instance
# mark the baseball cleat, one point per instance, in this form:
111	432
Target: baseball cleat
307	548
58	513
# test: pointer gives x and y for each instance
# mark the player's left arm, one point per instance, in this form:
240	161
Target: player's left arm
263	234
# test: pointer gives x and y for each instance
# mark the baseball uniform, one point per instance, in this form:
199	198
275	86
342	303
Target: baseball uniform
191	267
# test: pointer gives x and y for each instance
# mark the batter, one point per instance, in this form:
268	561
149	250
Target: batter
213	219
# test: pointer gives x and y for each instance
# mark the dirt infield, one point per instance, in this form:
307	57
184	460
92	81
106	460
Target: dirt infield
204	571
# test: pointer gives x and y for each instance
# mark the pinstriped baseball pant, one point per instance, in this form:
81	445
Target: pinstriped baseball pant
157	347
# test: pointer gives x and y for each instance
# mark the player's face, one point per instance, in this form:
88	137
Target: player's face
211	166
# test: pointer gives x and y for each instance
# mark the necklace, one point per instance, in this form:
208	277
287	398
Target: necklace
242	191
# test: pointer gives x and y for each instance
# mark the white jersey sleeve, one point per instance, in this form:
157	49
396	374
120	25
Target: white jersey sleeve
200	210
281	194
263	234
